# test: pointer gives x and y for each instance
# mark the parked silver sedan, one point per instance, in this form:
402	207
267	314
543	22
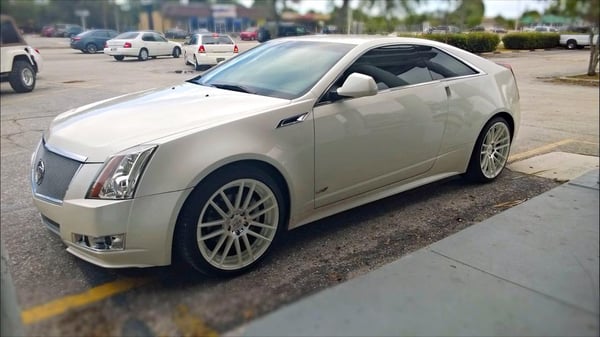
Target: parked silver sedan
141	44
296	129
206	50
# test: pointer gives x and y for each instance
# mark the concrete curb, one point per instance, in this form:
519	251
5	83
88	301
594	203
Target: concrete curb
529	271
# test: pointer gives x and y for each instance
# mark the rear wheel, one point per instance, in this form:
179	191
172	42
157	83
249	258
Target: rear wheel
119	57
176	52
143	55
230	221
491	151
571	44
91	48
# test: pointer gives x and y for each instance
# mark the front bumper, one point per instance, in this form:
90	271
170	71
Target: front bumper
143	226
146	224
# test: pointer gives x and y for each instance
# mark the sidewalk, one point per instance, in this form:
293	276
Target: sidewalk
529	271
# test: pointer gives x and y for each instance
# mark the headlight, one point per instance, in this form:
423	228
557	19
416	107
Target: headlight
120	174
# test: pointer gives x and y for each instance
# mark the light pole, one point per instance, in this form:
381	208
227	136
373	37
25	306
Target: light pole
348	18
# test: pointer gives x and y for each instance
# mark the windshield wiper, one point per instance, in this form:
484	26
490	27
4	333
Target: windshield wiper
233	87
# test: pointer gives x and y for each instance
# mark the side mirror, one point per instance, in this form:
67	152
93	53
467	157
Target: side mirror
358	85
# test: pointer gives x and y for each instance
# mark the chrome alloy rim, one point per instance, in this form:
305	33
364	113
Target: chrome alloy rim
27	77
237	224
494	150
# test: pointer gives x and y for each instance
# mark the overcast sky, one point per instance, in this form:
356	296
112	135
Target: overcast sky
506	8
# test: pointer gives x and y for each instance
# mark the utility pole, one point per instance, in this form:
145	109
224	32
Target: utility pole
349	18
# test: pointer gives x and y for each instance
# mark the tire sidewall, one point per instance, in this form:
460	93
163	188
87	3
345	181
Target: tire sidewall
144	56
474	172
16	76
91	48
184	242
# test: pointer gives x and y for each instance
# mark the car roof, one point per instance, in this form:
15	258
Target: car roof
358	39
364	42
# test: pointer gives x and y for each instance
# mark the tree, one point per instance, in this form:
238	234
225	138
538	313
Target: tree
392	9
470	12
588	10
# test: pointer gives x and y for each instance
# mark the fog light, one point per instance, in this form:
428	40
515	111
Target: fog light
100	243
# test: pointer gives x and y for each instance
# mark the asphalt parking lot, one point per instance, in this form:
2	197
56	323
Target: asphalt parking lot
61	295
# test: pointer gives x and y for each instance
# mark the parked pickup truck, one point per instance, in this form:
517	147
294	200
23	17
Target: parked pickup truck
575	41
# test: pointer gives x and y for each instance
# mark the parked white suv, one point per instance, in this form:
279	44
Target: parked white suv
20	63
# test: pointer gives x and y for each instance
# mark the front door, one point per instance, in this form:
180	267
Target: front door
362	144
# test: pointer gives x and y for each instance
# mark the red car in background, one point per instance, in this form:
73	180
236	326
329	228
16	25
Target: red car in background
48	31
249	34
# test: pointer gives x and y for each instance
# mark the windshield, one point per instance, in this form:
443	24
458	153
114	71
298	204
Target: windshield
283	69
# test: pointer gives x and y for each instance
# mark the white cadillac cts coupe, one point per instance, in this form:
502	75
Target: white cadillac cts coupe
293	130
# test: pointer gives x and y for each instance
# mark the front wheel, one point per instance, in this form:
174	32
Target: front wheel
491	151
230	221
176	52
22	76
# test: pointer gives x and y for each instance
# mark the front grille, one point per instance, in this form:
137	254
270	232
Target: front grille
56	173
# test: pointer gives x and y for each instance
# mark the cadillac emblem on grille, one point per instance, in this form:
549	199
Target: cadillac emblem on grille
40	170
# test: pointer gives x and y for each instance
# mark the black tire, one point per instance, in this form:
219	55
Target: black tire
91	48
495	155
571	44
236	230
22	77
119	57
143	55
176	52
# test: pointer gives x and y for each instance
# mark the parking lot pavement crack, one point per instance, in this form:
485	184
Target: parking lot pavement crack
516	284
9	138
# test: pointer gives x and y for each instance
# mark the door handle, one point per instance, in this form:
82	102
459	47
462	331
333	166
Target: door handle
448	92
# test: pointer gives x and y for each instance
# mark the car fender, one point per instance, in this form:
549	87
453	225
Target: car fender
12	54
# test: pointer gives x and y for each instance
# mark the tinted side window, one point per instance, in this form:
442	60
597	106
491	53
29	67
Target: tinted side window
393	66
9	34
442	65
147	37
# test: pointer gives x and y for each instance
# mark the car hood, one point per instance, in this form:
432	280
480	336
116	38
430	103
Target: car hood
98	130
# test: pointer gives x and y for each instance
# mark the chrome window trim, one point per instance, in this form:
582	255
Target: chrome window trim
459	59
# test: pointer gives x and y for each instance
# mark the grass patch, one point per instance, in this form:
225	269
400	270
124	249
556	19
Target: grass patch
585	77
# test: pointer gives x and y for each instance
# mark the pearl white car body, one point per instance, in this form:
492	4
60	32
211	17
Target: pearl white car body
141	44
205	50
291	131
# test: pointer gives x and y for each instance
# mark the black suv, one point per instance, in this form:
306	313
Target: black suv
282	29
